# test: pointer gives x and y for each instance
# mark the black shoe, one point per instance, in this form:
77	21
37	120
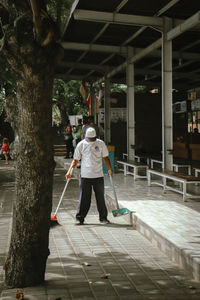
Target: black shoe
105	221
79	222
66	156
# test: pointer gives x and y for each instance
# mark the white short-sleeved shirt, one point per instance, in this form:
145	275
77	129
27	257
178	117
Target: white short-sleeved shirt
91	155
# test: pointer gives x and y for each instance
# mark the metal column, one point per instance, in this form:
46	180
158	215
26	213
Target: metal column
167	112
107	112
130	106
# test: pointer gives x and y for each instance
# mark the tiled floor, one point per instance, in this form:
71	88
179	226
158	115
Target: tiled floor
98	261
167	221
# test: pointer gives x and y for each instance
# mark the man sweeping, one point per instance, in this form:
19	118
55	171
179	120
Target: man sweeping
91	151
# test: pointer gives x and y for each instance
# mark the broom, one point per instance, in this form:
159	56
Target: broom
119	212
54	217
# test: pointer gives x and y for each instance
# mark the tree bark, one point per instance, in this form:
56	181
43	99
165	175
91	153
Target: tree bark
28	251
33	64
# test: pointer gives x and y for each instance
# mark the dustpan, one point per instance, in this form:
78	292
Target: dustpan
118	212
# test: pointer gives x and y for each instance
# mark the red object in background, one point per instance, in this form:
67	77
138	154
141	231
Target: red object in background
89	103
83	89
5	147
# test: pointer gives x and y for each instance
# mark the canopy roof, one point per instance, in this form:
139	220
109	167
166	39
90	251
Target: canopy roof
101	34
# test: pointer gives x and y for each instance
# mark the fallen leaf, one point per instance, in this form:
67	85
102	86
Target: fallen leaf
104	276
191	287
19	295
86	264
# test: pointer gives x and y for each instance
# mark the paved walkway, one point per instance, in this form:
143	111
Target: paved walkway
169	223
95	261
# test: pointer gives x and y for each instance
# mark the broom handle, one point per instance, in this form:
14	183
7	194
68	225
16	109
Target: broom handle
66	184
114	192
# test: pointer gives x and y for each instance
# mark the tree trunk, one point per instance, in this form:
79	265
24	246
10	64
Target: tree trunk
28	252
31	49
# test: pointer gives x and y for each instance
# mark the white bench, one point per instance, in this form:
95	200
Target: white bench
176	168
138	158
183	180
125	155
197	171
153	161
136	166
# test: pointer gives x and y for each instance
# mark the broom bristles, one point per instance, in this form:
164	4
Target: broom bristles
54	218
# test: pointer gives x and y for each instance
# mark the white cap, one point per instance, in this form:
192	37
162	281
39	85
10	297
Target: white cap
90	134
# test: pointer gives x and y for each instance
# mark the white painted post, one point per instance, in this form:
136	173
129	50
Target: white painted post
107	112
167	113
130	106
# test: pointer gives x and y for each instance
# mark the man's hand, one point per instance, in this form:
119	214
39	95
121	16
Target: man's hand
69	173
71	168
110	172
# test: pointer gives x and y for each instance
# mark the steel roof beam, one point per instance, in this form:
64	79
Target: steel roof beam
184	26
117	18
83	66
67	77
142	71
123	50
167	6
94	47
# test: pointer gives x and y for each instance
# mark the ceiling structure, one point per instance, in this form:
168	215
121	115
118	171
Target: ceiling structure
100	34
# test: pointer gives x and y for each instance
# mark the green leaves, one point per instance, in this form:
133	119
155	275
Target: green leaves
5	27
68	95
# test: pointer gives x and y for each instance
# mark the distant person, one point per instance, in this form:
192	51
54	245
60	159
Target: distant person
68	141
196	136
76	132
90	123
85	122
79	131
91	151
101	131
5	150
74	141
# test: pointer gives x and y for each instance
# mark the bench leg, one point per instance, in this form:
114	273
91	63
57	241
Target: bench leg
164	184
184	191
124	170
149	178
146	171
189	170
135	172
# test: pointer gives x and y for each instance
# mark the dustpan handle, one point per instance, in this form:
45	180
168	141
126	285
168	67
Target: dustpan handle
114	192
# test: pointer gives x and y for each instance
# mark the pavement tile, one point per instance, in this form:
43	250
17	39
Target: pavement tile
136	270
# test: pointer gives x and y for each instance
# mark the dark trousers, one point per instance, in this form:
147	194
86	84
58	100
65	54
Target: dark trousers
85	188
69	148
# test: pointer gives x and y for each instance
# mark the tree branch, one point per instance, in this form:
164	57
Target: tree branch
37	21
45	29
